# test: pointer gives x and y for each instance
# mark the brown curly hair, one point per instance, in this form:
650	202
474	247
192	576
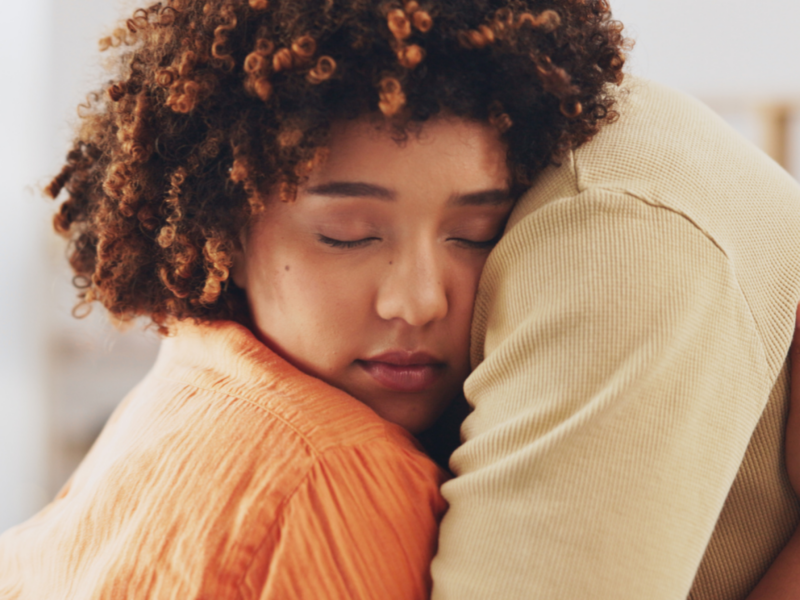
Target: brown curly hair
212	105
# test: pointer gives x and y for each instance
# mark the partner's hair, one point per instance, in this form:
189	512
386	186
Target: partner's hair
213	104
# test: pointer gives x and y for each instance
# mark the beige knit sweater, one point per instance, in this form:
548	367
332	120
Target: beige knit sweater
630	392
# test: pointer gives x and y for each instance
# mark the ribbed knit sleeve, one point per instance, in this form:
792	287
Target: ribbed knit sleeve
361	525
623	378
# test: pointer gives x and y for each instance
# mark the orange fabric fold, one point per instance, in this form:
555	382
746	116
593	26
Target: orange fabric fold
227	473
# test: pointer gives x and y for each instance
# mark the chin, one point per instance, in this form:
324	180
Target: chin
413	421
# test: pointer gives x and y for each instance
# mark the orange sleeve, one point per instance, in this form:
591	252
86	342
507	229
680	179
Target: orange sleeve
363	524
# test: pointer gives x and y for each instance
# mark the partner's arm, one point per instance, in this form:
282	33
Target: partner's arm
623	378
782	581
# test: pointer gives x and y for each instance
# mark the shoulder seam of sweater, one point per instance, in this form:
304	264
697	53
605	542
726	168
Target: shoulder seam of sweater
645	200
581	188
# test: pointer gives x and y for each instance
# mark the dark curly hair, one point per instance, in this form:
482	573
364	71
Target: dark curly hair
215	104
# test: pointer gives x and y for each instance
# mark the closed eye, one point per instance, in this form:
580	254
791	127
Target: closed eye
346	244
478	244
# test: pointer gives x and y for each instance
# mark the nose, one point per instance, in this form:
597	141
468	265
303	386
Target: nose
414	289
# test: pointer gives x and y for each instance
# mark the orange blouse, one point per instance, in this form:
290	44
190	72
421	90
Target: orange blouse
227	473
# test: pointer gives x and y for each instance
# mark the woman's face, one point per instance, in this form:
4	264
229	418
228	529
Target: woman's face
367	280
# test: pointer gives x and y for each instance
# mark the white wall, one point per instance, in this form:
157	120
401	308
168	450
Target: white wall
26	49
736	55
47	48
713	48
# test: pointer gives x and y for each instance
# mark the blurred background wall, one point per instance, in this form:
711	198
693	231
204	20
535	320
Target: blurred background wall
61	377
738	56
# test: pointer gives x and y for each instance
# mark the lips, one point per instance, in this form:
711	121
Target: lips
403	371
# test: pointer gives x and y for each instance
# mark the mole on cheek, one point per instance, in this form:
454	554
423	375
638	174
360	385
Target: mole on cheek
390	262
286	268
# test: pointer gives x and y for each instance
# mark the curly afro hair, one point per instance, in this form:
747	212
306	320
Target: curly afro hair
214	104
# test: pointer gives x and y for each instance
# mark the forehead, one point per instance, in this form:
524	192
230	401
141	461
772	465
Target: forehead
442	150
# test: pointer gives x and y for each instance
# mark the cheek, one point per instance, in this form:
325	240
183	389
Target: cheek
325	292
464	289
467	280
320	315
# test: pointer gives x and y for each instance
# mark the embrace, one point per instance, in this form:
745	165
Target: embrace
451	307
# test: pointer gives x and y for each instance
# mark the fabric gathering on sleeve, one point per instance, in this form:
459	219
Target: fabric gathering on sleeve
228	474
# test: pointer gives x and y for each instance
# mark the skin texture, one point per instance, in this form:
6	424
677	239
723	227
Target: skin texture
404	284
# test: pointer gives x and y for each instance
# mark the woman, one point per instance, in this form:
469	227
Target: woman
300	196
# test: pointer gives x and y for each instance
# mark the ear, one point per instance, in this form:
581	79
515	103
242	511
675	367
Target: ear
239	266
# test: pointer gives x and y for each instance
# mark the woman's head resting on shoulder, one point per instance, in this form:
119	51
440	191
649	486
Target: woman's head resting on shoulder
367	279
331	173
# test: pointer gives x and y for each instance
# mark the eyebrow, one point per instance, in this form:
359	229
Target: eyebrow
358	189
488	197
352	189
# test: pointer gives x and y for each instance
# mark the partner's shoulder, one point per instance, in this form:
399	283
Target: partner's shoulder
669	149
672	177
